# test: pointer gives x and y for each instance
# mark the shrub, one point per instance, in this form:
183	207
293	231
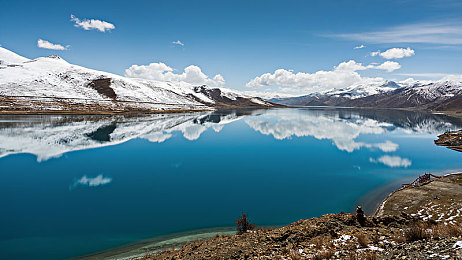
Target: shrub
243	224
415	232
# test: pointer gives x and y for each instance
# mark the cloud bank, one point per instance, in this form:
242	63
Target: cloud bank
92	24
51	46
395	53
161	72
344	74
449	32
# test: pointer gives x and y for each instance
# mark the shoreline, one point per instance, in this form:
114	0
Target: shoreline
371	203
372	200
455	114
137	249
156	244
381	204
107	112
418	200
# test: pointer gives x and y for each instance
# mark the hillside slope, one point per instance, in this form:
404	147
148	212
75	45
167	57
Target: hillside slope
51	84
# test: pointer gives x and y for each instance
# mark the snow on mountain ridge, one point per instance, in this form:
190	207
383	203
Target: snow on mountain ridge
67	86
55	77
363	90
8	57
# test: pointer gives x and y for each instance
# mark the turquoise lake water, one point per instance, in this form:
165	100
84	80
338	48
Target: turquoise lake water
74	185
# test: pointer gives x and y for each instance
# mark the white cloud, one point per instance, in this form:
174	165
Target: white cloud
178	43
51	46
92	24
350	65
91	182
359	47
392	161
343	75
449	32
387	65
161	72
395	53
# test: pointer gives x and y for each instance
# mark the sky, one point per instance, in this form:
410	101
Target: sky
291	47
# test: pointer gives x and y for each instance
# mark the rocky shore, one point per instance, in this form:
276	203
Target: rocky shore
412	223
452	140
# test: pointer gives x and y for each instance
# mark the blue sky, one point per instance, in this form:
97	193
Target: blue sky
242	40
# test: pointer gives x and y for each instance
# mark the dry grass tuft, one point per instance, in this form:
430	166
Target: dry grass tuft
368	255
375	238
363	240
416	232
362	255
324	254
441	230
318	242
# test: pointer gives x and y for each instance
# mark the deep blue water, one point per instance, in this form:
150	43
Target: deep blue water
73	185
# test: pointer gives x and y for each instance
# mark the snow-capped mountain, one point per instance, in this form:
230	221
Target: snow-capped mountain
363	90
52	84
443	95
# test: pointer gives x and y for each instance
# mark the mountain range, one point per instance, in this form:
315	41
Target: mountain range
52	85
442	95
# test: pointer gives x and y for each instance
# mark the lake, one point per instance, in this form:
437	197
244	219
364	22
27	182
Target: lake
74	185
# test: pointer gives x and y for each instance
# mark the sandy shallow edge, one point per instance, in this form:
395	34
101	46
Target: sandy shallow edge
156	244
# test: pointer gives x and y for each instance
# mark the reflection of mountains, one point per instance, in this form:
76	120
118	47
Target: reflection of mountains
51	136
415	121
343	126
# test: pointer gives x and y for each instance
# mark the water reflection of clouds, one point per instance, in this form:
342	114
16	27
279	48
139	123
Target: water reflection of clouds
342	132
392	161
53	136
91	182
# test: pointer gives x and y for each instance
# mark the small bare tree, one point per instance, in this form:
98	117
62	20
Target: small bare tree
243	224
